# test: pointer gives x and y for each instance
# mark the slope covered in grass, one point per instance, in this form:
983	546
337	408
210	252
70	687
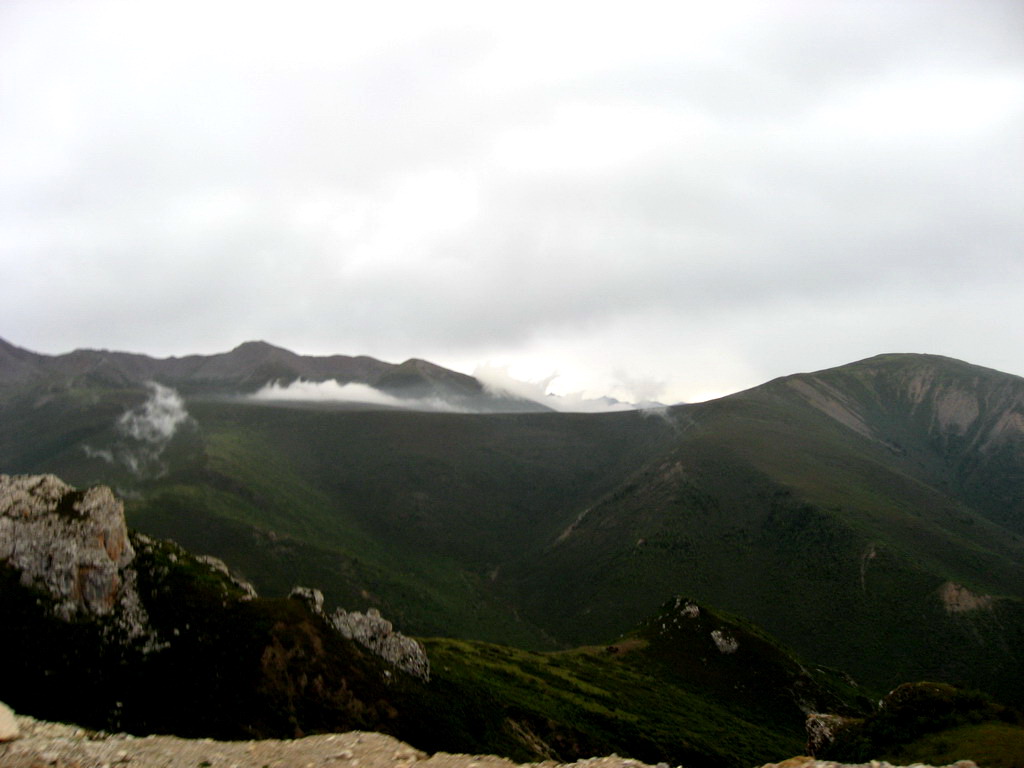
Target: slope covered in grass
868	515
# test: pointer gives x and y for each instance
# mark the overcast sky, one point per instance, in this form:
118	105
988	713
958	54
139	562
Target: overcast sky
667	200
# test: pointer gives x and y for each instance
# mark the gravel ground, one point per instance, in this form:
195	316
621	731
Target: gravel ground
53	745
42	745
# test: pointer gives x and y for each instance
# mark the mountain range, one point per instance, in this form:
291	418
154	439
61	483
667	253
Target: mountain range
869	516
249	367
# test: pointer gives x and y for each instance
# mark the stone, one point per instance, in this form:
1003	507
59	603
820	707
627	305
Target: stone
376	633
822	729
73	545
8	725
313	598
725	642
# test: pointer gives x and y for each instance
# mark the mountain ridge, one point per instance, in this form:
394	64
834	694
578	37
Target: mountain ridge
248	367
868	498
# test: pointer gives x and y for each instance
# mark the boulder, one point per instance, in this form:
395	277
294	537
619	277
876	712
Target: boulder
376	633
72	545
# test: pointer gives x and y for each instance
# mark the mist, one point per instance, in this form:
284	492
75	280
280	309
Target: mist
302	391
157	419
497	381
145	432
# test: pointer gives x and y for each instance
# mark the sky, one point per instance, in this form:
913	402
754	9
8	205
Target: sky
648	200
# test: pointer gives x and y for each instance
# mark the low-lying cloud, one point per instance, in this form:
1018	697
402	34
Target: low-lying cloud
498	381
332	391
145	432
495	380
157	419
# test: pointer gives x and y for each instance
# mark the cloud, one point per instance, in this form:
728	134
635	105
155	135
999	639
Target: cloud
145	432
157	419
495	380
498	381
473	182
331	391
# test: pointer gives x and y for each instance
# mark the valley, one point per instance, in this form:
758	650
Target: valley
869	517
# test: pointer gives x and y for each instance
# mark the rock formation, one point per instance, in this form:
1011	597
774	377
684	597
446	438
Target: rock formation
372	631
218	565
73	545
823	728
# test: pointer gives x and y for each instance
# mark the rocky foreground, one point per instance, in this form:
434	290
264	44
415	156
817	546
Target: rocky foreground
29	743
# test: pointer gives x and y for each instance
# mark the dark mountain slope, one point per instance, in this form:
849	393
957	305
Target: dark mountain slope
867	515
161	641
845	525
244	369
430	505
958	426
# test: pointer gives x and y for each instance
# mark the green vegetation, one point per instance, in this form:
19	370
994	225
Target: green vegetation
572	704
837	510
934	723
991	744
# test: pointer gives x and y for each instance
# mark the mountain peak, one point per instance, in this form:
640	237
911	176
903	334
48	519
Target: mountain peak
256	346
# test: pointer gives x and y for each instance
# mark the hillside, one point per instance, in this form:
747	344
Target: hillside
853	512
868	516
114	630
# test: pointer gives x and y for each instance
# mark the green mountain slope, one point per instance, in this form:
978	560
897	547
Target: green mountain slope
850	526
115	630
868	516
689	686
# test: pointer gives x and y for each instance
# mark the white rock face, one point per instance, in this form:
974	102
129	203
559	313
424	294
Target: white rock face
372	631
73	545
376	633
725	642
8	725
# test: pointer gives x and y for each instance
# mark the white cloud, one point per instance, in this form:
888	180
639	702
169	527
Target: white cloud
157	419
144	433
331	391
588	188
497	380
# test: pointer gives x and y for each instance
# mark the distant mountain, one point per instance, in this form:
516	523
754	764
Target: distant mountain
870	516
246	369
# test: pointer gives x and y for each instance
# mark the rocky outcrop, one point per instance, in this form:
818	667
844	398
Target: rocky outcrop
959	599
372	631
73	545
219	566
824	729
724	641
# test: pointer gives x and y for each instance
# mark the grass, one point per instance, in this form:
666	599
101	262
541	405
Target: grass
991	745
581	703
452	524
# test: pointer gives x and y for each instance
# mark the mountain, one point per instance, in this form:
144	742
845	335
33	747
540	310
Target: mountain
869	516
111	629
244	370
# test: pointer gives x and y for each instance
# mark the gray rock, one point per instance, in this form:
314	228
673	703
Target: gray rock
72	545
218	565
822	730
374	632
313	598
